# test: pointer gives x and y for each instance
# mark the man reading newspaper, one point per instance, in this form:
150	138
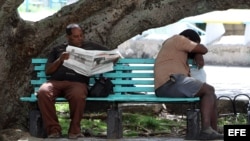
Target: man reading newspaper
65	82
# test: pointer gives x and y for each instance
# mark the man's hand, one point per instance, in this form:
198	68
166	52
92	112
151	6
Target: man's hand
116	60
52	67
64	56
199	60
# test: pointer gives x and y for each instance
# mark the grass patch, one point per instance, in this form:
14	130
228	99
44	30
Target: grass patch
137	124
233	120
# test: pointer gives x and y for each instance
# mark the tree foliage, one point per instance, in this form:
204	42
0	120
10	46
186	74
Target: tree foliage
108	22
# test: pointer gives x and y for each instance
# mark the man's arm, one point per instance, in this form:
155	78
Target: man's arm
197	54
199	49
52	67
199	60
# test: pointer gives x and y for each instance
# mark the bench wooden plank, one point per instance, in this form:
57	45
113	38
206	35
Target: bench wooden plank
39	60
150	98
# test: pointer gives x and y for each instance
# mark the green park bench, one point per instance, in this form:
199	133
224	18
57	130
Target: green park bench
133	81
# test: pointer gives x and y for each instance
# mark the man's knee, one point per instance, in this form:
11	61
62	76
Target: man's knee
77	97
208	88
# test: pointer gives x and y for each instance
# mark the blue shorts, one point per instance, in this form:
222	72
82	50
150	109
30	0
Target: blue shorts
179	86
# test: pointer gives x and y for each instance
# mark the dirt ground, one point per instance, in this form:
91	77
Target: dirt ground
13	134
18	135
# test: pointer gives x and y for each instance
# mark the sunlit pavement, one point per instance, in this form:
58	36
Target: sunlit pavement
35	16
101	139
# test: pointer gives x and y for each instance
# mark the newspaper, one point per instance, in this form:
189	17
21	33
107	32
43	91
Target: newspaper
90	62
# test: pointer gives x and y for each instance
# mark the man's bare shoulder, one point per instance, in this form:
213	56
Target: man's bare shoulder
175	38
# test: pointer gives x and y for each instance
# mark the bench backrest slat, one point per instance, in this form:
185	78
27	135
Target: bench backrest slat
39	60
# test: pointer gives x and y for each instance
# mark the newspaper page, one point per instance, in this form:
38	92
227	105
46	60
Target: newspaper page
90	62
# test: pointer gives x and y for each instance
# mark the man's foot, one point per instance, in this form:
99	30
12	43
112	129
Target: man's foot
75	136
210	134
54	135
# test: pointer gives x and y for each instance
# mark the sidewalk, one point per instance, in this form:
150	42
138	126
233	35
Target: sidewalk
102	139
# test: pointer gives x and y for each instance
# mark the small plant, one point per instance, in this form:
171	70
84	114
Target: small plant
233	119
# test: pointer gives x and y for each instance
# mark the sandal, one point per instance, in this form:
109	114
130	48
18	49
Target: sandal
210	134
75	136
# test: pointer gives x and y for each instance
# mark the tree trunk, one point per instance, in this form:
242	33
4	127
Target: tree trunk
108	22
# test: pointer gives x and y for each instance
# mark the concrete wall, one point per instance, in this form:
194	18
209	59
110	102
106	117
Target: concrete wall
218	54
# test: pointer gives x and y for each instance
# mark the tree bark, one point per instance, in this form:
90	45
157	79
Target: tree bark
108	22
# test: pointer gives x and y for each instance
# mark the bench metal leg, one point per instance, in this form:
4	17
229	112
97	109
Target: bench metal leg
36	128
193	124
248	113
114	123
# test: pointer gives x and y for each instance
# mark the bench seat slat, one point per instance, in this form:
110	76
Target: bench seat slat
125	98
